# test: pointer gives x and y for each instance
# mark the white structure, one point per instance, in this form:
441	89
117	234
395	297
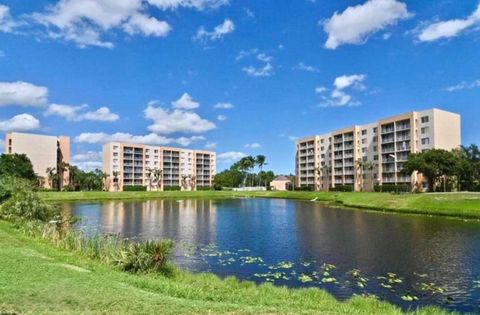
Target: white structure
138	165
324	161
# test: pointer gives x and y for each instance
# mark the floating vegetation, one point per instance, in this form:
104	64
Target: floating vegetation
305	278
282	265
409	298
251	260
329	280
476	284
431	287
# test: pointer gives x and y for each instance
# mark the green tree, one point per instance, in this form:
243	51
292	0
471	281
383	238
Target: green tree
260	160
17	165
436	165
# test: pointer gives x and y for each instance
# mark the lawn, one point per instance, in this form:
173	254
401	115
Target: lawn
464	205
37	278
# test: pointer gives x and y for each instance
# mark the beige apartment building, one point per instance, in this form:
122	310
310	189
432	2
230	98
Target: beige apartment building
156	167
329	160
43	151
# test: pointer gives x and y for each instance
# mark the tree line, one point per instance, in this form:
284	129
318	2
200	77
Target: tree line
248	171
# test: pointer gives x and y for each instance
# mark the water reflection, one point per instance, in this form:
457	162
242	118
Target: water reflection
446	250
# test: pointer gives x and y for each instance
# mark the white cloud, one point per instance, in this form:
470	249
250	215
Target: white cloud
22	122
210	145
185	102
357	23
450	28
87	161
194	4
246	53
223	106
85	22
152	138
265	70
229	157
146	25
346	81
292	138
304	67
218	32
6	22
253	145
22	93
222	117
463	86
338	96
78	113
172	121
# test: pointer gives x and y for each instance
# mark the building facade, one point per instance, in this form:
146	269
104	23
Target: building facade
45	153
374	154
157	168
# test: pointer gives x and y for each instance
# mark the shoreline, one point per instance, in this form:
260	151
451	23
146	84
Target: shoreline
453	205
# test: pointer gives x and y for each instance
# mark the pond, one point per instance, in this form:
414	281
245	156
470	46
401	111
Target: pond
407	260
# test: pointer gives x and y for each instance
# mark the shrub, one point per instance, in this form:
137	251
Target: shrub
342	188
304	188
171	188
135	188
147	256
393	188
22	202
204	188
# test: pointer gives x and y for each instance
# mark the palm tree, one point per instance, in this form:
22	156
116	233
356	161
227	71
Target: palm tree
245	165
260	161
318	172
115	179
193	182
370	167
51	174
157	177
149	177
104	181
62	167
359	168
184	181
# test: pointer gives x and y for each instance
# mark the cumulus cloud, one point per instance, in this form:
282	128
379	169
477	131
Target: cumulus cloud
6	22
185	102
22	122
253	145
449	28
172	121
263	68
464	86
88	22
229	157
223	106
218	32
221	117
210	145
194	4
23	94
151	139
304	67
87	161
339	96
357	23
79	113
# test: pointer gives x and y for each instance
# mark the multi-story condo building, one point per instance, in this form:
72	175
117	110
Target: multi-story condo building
341	157
157	167
45	152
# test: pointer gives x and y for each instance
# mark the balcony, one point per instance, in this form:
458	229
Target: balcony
403	127
387	130
388	139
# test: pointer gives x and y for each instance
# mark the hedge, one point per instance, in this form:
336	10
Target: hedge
135	188
171	188
393	188
342	188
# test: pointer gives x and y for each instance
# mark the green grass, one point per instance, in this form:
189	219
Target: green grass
463	205
38	278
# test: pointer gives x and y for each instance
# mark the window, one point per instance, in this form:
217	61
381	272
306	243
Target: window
375	130
364	150
375	148
425	130
364	132
115	160
323	156
425	119
322	148
425	141
115	147
115	153
364	141
375	139
322	141
364	159
375	157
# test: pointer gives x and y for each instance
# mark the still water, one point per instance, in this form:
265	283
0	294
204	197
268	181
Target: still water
408	260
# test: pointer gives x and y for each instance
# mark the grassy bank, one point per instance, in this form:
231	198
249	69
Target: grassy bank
37	278
463	205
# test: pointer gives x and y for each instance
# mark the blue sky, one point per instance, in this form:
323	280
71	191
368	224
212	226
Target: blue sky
239	77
